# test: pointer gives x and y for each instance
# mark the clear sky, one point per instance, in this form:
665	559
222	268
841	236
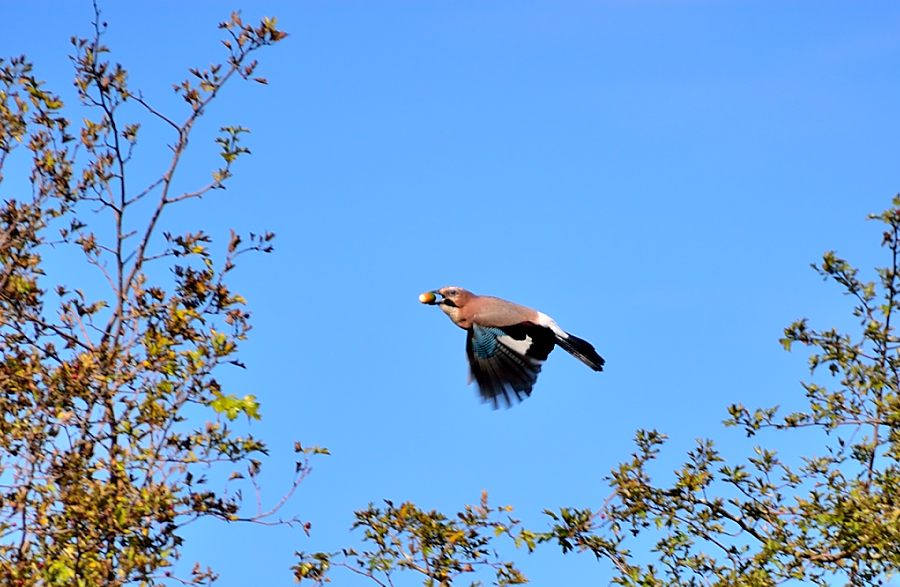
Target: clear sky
655	175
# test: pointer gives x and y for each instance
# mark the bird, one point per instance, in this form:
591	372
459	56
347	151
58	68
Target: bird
506	343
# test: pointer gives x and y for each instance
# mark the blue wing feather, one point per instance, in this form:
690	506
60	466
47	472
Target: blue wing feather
484	341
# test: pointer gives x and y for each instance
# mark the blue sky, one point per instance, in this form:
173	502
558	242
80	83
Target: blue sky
656	176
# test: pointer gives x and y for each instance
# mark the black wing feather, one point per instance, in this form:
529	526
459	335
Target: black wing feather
507	370
498	368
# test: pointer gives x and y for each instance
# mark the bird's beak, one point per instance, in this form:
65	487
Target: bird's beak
430	297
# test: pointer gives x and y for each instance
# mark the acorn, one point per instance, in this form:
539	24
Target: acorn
428	297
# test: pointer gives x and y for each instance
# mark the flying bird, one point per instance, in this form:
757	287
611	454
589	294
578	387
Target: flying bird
506	343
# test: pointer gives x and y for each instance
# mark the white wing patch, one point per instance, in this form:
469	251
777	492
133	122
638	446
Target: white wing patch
545	320
519	346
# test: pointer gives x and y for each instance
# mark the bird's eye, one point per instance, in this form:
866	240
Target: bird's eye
451	292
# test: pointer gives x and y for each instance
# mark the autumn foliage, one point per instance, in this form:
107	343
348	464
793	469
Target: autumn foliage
99	464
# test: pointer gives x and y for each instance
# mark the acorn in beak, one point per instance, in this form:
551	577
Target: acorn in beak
429	297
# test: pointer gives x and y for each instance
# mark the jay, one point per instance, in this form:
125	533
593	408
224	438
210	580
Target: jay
506	343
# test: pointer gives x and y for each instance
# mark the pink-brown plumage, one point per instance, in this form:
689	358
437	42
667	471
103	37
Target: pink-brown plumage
484	310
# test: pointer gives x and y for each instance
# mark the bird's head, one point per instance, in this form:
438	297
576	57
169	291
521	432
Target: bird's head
450	299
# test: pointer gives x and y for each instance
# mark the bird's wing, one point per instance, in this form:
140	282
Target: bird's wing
505	362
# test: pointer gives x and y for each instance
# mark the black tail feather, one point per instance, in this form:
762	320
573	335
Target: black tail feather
582	350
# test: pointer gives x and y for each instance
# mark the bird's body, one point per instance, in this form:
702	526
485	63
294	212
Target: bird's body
506	343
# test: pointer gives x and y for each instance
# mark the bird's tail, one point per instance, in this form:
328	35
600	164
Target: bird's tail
581	349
